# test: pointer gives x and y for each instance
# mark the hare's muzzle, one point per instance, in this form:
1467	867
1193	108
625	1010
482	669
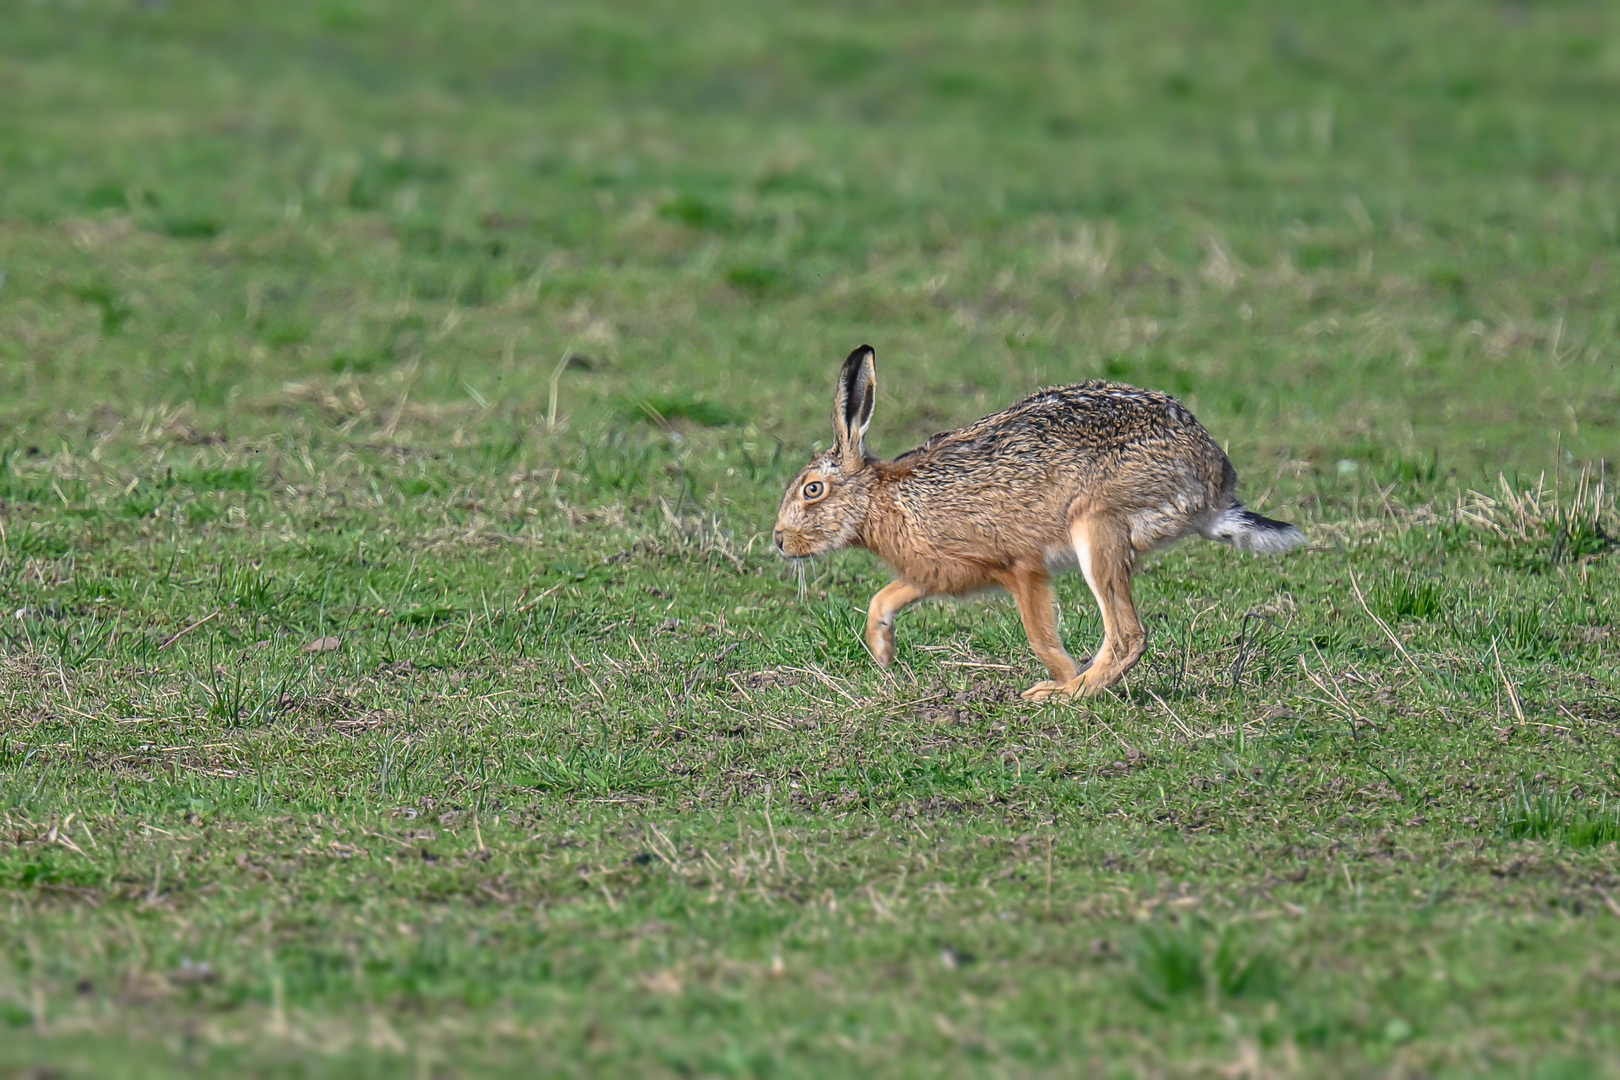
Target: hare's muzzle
777	537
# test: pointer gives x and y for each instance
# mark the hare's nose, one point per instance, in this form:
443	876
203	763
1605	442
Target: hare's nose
777	536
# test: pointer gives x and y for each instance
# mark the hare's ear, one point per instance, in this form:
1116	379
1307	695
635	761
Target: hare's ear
853	404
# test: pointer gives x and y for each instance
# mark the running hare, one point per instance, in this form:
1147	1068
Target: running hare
1093	474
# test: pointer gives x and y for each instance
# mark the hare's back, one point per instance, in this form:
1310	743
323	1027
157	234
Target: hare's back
1091	418
1136	449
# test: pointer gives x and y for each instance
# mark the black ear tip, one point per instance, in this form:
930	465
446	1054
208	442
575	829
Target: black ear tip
864	352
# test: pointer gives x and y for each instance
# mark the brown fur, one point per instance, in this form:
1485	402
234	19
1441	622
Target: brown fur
1095	474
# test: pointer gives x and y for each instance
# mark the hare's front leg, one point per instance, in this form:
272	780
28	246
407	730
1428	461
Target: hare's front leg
1032	589
890	601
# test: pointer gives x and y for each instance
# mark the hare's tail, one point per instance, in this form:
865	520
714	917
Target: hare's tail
1248	531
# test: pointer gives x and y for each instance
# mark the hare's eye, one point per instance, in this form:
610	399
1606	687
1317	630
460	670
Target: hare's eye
814	490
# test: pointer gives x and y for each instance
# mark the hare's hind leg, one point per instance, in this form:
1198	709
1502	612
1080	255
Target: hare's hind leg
1032	589
1107	559
890	601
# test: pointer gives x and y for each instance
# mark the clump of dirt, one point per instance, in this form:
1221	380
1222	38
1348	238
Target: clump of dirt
773	677
945	705
935	713
987	692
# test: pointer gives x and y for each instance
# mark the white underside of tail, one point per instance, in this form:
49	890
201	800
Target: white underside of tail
1248	531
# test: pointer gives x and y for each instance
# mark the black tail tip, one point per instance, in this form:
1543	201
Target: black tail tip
1260	521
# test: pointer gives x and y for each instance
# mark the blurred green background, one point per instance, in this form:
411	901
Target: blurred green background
1337	230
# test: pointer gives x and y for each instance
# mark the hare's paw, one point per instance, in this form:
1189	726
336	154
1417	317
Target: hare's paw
1090	683
881	642
1042	690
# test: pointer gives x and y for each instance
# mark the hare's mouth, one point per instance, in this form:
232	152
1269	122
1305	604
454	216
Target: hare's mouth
783	540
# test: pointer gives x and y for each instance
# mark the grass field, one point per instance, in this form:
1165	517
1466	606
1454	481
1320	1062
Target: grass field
397	678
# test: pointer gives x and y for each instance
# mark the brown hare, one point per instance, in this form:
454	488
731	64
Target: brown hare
1092	475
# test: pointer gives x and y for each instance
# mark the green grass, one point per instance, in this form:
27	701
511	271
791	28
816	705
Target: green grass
395	675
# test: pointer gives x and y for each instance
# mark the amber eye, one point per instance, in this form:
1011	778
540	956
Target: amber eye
814	490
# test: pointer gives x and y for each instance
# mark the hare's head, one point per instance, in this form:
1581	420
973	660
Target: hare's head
826	503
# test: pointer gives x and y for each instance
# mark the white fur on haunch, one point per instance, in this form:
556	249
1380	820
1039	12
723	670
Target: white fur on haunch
1248	531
